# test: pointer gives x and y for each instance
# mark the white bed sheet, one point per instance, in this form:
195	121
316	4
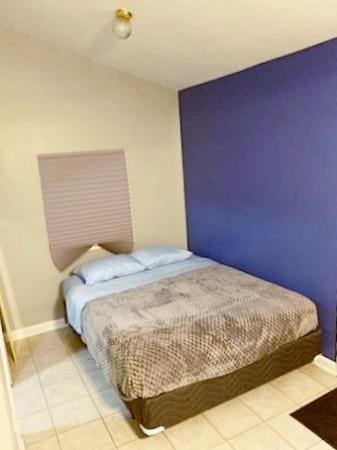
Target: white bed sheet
77	293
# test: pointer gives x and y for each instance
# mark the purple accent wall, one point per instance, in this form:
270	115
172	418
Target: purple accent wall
260	169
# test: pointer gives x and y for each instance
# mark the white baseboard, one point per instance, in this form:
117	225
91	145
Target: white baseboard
326	364
23	333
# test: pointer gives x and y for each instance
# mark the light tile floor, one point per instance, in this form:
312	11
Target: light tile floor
64	403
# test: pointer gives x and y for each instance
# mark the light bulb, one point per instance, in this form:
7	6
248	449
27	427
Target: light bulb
122	25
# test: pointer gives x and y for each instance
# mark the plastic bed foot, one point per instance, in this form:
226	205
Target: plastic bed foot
151	431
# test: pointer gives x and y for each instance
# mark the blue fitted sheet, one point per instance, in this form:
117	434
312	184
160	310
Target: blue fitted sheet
77	293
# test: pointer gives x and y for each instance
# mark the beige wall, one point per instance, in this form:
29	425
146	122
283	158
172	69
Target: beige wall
54	101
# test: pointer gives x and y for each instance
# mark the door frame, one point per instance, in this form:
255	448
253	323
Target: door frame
10	434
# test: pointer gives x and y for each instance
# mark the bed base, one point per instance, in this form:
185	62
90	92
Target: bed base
157	413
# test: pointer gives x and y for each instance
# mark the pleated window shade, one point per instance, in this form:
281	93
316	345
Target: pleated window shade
86	202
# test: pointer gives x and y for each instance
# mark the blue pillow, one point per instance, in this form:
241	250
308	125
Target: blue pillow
106	268
152	257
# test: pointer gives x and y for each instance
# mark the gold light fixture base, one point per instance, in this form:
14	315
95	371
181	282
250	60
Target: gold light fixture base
124	14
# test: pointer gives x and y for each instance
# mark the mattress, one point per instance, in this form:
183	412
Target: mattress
77	294
191	327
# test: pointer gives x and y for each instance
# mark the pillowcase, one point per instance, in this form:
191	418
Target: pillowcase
106	268
152	257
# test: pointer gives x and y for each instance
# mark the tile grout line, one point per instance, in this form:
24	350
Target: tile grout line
70	353
101	417
241	432
77	427
265	421
279	434
223	437
44	396
319	442
274	415
167	438
47	403
287	395
107	429
109	415
214	427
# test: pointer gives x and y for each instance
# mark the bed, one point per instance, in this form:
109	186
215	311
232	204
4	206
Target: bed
179	339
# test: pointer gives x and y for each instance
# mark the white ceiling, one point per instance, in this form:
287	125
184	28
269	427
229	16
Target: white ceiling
177	43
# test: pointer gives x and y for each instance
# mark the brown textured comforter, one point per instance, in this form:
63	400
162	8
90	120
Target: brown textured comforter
188	328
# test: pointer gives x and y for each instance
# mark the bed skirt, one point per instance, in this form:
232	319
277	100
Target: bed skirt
175	406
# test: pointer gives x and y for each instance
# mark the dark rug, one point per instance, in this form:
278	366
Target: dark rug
320	417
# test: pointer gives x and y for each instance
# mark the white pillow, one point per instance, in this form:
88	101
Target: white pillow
152	257
106	268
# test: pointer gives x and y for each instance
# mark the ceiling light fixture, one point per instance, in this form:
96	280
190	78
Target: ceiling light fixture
122	24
